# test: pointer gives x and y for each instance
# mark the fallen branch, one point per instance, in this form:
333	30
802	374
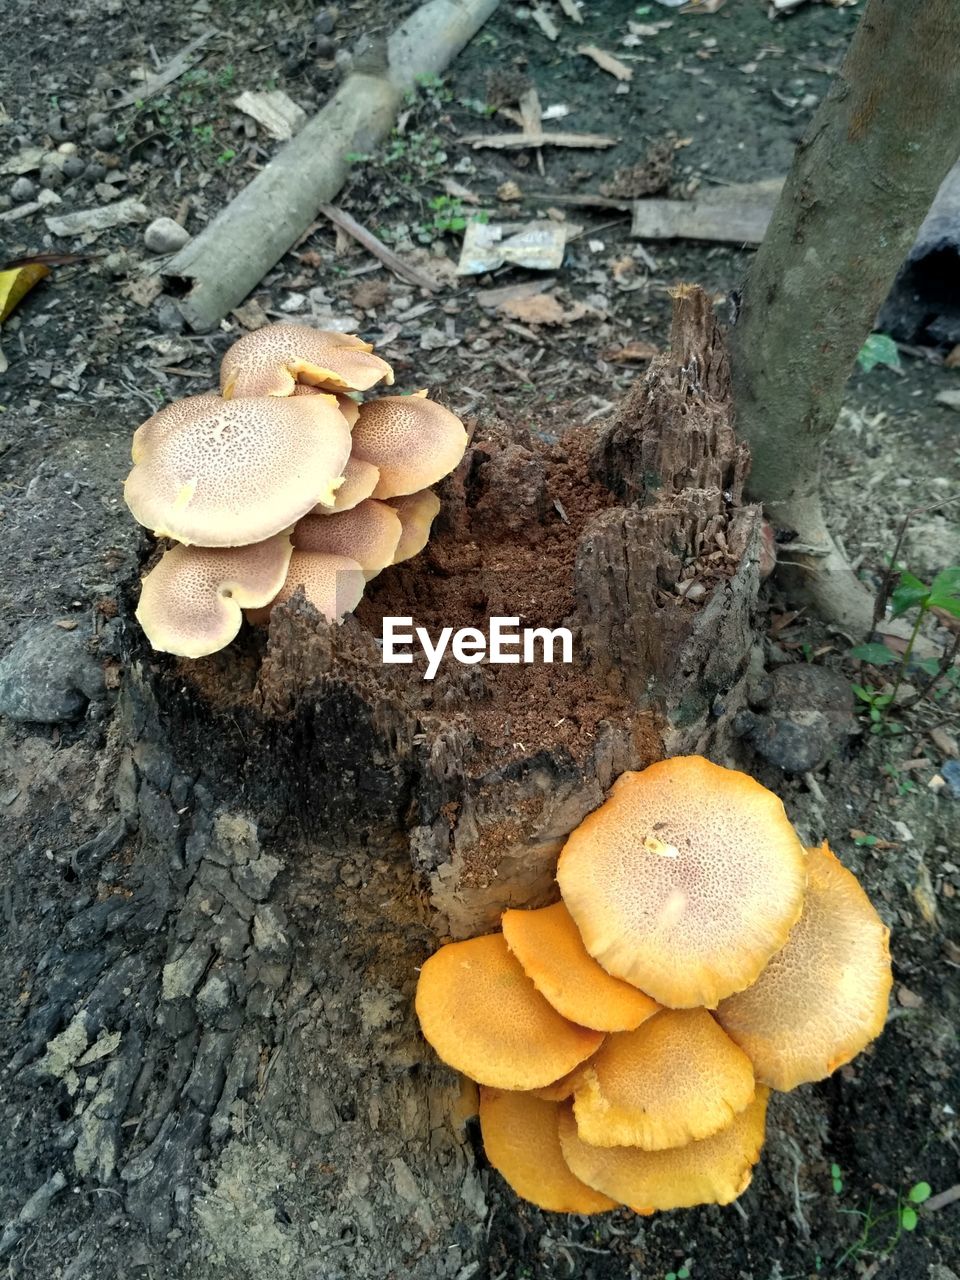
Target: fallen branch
236	250
379	250
174	69
516	141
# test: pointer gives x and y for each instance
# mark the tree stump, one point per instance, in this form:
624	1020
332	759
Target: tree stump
226	1027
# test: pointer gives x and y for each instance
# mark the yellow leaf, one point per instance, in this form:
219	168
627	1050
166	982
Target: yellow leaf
18	282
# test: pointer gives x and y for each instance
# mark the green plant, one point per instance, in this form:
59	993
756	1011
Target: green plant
683	1273
836	1177
879	348
943	593
891	1222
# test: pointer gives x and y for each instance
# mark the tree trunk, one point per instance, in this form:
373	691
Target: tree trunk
861	183
224	1024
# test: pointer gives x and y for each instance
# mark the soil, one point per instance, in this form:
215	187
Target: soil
94	349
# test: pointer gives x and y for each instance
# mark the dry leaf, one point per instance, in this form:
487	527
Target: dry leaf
952	361
606	61
544	308
632	352
17	283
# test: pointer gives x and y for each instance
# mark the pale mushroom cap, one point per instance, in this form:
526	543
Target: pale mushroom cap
368	533
521	1139
270	361
415	442
549	947
359	481
685	881
227	473
191	600
333	585
823	997
676	1079
484	1017
714	1171
346	404
417	512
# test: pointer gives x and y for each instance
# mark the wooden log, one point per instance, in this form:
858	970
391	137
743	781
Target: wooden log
219	267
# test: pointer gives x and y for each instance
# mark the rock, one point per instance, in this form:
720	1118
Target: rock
95	172
23	190
73	167
805	716
103	138
168	315
51	177
58	128
49	675
269	930
323	22
163	235
255	878
950	772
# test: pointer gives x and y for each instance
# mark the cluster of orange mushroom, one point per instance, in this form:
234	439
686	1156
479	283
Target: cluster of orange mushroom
626	1039
283	481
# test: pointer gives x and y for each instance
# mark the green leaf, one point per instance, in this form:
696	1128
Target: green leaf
909	592
920	1192
945	592
877	654
879	348
835	1171
929	666
908	1219
865	695
866	842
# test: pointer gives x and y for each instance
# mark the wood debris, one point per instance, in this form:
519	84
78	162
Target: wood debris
606	61
92	221
633	352
491	299
571	10
545	22
174	69
518	141
737	214
277	113
379	250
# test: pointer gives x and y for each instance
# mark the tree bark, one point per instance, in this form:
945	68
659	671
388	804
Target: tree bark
861	183
224	1022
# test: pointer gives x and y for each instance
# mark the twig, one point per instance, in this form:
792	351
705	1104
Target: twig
517	141
942	1199
174	69
379	250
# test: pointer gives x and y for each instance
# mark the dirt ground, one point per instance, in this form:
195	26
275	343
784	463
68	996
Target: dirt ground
715	98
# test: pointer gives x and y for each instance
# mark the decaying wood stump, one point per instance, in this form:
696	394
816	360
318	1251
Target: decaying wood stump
297	825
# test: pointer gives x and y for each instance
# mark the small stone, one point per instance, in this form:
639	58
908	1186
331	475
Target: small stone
163	235
103	138
256	877
323	22
95	119
950	772
94	171
51	177
168	315
269	930
58	128
73	167
23	190
293	302
67	149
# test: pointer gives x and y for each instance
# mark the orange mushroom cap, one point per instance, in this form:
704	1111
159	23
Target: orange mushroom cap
191	600
685	881
417	512
713	1171
414	441
270	361
333	585
823	997
522	1141
564	1088
359	481
676	1079
227	473
367	533
548	945
484	1017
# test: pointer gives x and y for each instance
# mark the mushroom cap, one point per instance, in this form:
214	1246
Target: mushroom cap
685	881
414	441
346	404
270	361
823	996
191	600
521	1139
484	1017
359	481
564	1088
548	945
713	1171
227	473
333	585
676	1079
417	512
367	533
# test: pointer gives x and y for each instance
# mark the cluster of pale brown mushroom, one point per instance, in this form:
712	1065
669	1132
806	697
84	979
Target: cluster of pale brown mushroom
626	1039
283	481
